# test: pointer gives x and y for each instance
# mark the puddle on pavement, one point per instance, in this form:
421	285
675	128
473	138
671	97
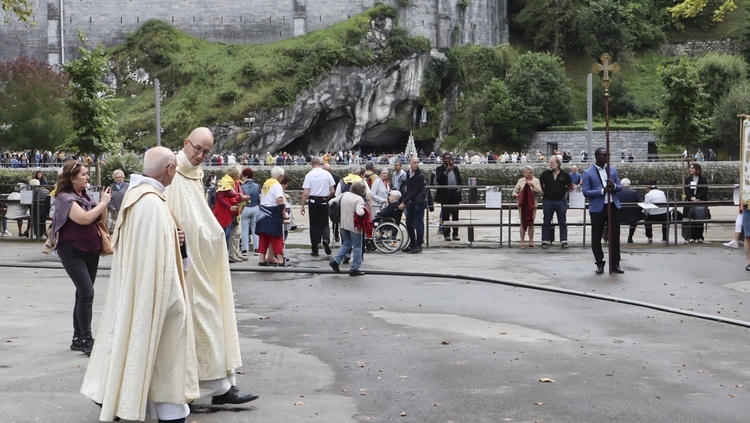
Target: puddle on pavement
468	326
741	286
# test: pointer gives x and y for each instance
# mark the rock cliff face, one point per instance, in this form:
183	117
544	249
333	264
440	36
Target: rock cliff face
348	107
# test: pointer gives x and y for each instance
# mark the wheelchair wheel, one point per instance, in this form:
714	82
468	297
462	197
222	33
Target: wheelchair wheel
387	237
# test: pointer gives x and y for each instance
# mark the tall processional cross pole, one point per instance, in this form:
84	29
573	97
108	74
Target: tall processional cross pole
606	67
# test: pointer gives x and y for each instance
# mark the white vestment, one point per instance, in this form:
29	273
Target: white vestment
145	345
209	281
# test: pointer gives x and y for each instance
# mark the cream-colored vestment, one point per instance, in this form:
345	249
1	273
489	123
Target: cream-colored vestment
209	281
145	345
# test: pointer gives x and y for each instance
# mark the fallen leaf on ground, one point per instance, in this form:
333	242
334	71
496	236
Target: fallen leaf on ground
403	414
264	318
445	342
538	403
546	380
299	403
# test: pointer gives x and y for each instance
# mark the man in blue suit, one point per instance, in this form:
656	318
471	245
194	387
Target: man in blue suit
601	189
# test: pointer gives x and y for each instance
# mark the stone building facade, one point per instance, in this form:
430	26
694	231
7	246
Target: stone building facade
641	143
53	37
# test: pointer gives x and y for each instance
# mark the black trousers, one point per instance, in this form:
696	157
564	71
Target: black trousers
449	214
81	267
598	224
656	218
319	229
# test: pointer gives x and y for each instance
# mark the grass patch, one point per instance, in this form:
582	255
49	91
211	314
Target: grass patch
205	83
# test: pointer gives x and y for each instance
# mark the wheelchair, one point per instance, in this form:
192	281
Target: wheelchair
388	236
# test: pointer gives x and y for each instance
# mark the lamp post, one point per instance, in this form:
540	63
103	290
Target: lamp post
605	67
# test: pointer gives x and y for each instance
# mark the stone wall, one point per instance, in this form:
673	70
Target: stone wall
667	175
699	48
483	22
575	142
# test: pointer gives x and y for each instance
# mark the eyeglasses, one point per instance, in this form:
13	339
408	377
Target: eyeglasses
198	149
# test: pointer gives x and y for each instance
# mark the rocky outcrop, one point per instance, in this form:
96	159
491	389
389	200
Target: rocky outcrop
348	107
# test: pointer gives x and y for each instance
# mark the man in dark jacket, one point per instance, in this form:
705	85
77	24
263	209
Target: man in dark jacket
414	201
448	174
630	214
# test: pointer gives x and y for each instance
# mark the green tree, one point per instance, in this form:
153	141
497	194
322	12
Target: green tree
540	93
90	105
499	115
550	25
684	119
719	72
23	9
691	8
724	122
605	27
32	108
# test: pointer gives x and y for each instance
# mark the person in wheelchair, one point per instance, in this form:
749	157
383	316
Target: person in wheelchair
389	213
391	210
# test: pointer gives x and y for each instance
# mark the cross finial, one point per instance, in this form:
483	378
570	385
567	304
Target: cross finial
605	68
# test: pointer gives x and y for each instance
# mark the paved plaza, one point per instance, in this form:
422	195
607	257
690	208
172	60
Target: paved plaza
420	339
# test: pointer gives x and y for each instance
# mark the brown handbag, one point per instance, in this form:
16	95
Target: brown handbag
106	238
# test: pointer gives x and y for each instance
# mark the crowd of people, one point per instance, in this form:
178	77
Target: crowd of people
168	331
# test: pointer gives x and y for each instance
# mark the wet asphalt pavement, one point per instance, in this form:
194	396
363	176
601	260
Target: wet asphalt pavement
397	348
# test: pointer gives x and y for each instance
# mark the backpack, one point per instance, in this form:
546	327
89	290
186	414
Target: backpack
334	211
211	196
345	187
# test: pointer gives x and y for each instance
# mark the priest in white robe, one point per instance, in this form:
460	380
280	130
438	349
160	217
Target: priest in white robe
144	356
209	281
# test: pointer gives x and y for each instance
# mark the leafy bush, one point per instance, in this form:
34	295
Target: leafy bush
724	122
719	72
128	163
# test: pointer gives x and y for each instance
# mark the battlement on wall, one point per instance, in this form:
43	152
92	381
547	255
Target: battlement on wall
443	22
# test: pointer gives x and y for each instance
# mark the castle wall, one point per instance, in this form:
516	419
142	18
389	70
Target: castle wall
239	22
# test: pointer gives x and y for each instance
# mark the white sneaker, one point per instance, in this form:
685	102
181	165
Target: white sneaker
7	233
732	244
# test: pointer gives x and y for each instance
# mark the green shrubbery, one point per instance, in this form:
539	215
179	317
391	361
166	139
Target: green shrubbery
208	82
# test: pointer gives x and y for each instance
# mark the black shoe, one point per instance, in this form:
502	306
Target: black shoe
87	344
75	345
264	264
448	238
630	240
314	254
406	250
334	266
233	396
616	269
356	272
415	251
326	247
599	269
117	419
182	420
456	238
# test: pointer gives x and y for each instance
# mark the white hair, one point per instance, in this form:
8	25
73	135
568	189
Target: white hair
625	182
276	172
156	160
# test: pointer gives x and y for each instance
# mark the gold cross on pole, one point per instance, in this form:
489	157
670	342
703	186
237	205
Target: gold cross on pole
605	68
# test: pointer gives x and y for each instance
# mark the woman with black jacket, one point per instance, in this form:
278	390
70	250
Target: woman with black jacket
696	190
